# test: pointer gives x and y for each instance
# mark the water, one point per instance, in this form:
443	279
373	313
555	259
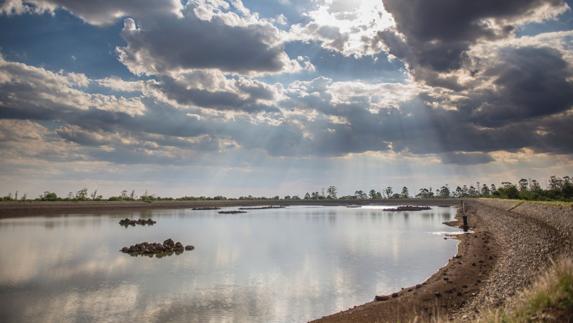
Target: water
279	265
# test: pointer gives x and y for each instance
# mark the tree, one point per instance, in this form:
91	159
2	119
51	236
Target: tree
373	194
473	192
405	194
360	195
484	190
307	196
388	191
49	196
459	192
508	191
523	184
444	192
82	194
424	193
331	191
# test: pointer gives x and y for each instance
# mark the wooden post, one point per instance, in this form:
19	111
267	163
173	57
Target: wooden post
466	225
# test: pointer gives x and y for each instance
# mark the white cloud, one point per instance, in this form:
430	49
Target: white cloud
348	27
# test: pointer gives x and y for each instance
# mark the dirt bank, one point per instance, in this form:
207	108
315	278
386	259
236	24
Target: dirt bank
506	253
37	208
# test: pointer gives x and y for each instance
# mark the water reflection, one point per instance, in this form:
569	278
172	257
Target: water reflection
278	265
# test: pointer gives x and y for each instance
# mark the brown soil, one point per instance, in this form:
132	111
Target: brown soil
443	294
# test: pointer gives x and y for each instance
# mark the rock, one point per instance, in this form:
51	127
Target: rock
168	243
381	298
189	248
167	248
128	222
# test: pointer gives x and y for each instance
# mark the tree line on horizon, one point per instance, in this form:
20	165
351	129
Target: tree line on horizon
557	189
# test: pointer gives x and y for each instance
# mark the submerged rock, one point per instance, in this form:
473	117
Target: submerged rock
167	248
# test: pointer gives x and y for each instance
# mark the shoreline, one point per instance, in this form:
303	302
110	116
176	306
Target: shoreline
512	243
448	288
41	208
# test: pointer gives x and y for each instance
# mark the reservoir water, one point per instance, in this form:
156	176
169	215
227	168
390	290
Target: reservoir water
276	265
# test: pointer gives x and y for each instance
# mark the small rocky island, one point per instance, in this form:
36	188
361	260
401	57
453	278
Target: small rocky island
131	222
232	212
409	208
266	207
167	248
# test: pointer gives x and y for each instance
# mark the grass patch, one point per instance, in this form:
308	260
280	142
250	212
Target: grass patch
550	299
520	202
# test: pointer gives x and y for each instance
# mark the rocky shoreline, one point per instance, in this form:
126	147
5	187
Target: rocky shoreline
504	254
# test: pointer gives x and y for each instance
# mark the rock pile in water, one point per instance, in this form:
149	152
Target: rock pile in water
232	212
127	222
167	248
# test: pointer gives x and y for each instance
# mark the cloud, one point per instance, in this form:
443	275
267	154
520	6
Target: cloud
466	158
37	89
192	43
474	92
347	27
437	34
528	82
213	90
99	13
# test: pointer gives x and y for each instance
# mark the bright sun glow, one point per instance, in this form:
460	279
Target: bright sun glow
360	20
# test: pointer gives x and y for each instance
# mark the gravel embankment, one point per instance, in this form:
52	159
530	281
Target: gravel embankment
528	242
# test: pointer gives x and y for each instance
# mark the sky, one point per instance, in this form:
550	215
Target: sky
277	97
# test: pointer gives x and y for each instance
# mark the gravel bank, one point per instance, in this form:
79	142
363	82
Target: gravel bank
527	246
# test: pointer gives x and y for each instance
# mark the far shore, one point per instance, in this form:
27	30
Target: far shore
41	208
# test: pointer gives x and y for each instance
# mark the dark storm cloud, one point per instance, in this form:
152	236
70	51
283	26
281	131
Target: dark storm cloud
190	43
530	82
438	32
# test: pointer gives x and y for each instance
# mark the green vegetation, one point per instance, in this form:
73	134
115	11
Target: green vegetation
557	189
550	299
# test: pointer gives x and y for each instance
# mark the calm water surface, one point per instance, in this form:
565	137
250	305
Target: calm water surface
281	265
